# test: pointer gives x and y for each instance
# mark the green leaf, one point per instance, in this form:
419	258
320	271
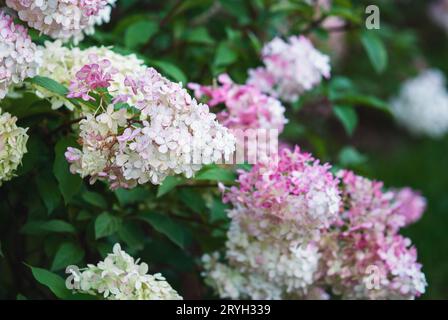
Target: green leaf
169	184
339	87
224	55
348	117
94	199
68	253
48	190
363	100
50	85
215	173
170	69
167	226
51	226
376	51
139	33
138	194
199	35
69	184
132	235
193	199
54	282
349	156
106	224
218	211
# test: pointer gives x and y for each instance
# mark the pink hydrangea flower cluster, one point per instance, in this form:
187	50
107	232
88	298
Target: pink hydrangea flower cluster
364	256
97	74
63	19
19	58
279	211
290	68
296	229
169	134
246	107
297	191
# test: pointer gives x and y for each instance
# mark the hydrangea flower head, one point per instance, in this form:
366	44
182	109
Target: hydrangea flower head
171	134
279	211
363	256
297	191
13	141
246	107
97	74
19	58
63	19
62	65
422	104
290	68
438	12
120	277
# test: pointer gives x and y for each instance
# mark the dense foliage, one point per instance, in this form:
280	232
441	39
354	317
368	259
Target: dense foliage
95	170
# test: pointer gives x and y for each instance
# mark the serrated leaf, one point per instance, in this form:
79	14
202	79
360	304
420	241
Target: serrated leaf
199	35
215	173
224	55
348	117
167	226
47	187
56	284
376	51
170	70
68	253
50	85
132	235
193	200
94	199
349	156
106	224
131	196
218	211
139	33
69	183
53	281
169	184
51	226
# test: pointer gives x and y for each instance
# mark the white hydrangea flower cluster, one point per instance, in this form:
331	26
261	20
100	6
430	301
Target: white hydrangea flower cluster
18	54
422	104
61	64
63	19
120	277
268	268
13	141
290	68
438	12
271	268
174	135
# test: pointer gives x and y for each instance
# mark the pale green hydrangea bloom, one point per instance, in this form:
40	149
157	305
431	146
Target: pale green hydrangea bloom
13	141
120	277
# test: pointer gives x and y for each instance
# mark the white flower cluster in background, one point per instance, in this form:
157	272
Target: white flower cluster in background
262	269
13	141
422	104
120	277
61	64
290	68
63	19
18	56
438	12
